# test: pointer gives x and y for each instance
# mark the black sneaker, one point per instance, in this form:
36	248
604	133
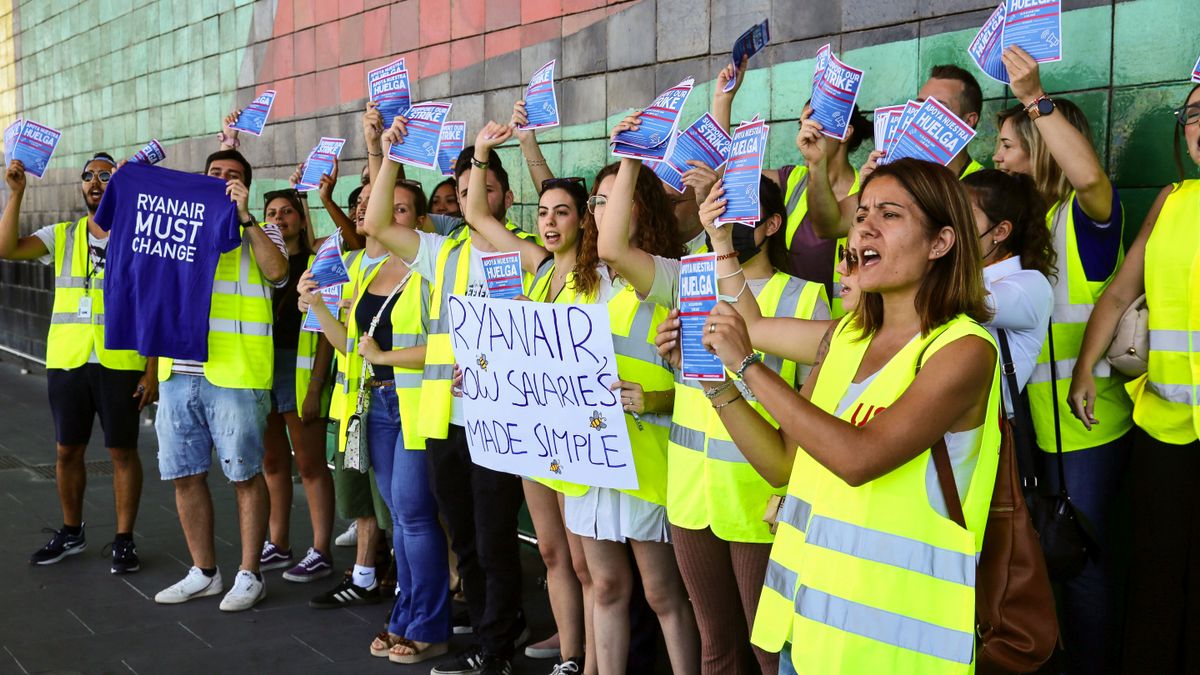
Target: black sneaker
347	594
495	665
60	546
469	662
124	557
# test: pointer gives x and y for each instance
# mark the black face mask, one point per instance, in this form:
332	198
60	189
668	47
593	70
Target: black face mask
743	242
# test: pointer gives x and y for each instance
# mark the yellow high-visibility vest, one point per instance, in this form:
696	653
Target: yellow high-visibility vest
306	354
73	338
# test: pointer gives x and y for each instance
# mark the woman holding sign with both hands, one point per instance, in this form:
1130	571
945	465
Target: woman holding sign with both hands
605	519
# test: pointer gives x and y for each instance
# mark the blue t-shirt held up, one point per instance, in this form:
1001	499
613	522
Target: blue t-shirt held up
167	231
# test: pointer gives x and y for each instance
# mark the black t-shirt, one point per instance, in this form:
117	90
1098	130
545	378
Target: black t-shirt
285	299
368	306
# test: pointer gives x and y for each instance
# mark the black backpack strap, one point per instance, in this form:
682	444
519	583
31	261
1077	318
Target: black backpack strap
1022	418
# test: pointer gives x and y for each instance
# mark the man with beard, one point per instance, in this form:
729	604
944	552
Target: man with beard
83	378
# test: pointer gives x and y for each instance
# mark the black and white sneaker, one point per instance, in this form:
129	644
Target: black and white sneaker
124	557
347	594
496	665
60	546
469	662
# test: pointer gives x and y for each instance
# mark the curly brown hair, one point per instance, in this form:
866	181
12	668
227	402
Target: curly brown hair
1014	197
657	231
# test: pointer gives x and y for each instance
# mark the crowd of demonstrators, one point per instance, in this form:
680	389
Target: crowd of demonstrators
873	322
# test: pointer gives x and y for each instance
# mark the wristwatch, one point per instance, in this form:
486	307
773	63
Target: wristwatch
248	223
1042	105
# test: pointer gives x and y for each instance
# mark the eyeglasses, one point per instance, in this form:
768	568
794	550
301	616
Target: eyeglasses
596	202
847	256
89	176
410	183
551	183
1187	115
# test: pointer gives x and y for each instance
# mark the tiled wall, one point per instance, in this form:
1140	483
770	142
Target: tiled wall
114	74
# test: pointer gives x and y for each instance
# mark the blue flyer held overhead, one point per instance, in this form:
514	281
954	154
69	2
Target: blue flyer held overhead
450	146
667	175
899	123
254	116
747	45
822	62
320	162
541	102
331	296
705	141
935	134
10	136
1035	26
657	127
34	145
151	153
420	146
697	297
390	88
503	273
886	121
328	268
833	97
1195	72
987	46
742	174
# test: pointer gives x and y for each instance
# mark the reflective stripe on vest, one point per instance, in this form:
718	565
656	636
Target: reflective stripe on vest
890	549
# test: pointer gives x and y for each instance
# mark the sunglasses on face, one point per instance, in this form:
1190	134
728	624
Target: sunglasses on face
551	183
1188	115
89	176
847	256
596	202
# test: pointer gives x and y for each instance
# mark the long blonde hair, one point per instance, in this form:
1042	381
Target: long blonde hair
1046	173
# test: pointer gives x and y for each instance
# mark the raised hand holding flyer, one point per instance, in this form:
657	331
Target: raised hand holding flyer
331	297
151	153
450	145
987	46
935	134
747	45
328	268
1035	26
503	273
742	174
541	102
667	175
254	116
656	130
420	146
833	97
697	297
34	145
320	162
390	88
705	141
536	395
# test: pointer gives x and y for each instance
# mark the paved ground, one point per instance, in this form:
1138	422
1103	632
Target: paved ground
77	617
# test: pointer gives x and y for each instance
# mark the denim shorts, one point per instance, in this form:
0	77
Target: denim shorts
283	392
195	416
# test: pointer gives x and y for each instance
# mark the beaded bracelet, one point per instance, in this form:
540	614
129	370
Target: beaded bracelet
718	390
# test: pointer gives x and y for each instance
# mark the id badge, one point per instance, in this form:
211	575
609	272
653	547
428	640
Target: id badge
85	307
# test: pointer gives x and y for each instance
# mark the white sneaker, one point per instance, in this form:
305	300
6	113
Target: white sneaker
349	537
247	592
194	585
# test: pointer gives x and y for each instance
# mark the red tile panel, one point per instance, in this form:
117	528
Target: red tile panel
350	38
466	17
502	14
433	60
375	36
285	98
327	46
435	22
573	6
500	42
284	18
405	19
349	7
352	82
573	23
326	95
539	10
466	52
302	14
532	34
325	11
305	60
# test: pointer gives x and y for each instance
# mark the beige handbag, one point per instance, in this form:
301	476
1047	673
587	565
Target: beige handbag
1130	347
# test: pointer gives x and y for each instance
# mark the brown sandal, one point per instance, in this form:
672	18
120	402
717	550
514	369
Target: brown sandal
407	651
382	644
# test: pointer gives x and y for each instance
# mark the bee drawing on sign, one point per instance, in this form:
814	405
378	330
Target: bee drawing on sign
482	361
597	420
555	467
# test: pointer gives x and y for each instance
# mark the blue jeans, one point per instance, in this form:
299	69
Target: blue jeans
422	610
785	660
1087	603
195	416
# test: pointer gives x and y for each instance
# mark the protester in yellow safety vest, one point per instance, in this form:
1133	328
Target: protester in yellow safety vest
1050	141
909	369
384	337
480	505
715	499
1163	263
223	403
83	378
299	405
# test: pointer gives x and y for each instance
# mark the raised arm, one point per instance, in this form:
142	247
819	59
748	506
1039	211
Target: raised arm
350	236
476	209
401	241
824	211
372	126
535	162
333	330
632	263
722	101
12	245
228	139
1070	148
1129	283
271	261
